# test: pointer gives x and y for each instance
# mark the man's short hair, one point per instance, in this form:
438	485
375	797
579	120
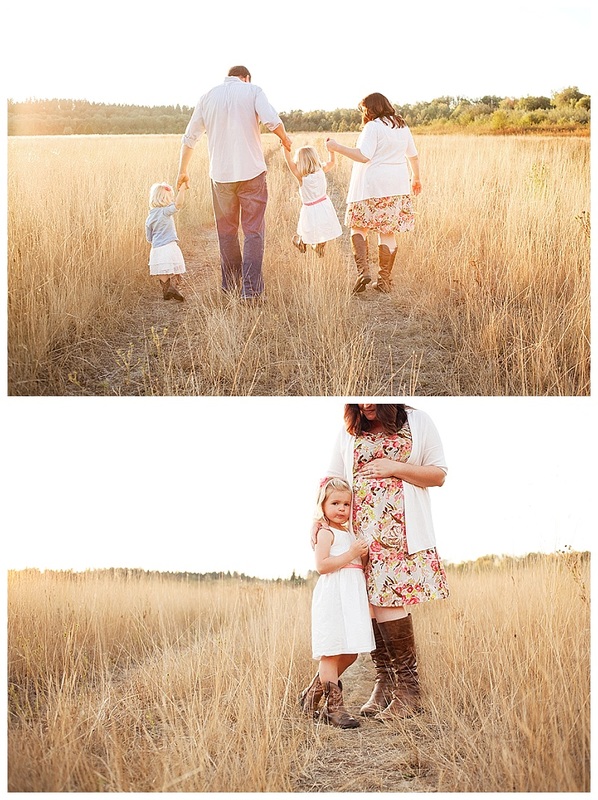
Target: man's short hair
239	72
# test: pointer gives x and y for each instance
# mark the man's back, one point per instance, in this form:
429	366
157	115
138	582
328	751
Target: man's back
230	114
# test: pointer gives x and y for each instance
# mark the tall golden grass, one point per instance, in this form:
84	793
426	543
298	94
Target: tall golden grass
148	683
496	276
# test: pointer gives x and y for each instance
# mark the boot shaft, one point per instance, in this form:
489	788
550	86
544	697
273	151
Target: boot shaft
310	697
359	248
400	642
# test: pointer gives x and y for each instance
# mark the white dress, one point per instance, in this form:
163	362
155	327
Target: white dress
317	219
340	618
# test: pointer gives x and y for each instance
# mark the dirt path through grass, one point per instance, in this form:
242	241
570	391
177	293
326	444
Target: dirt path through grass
376	757
158	347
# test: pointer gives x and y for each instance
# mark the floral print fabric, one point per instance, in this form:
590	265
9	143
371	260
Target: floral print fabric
382	214
394	577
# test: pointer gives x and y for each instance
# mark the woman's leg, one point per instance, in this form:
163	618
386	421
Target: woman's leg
389	240
359	248
396	629
387	251
386	613
381	695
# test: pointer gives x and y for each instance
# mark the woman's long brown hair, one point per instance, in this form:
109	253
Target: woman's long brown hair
377	106
392	417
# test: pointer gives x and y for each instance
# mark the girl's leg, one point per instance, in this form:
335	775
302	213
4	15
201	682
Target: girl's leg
345	661
332	667
165	286
169	287
329	669
333	711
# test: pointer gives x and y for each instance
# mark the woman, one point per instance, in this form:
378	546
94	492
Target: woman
384	175
390	454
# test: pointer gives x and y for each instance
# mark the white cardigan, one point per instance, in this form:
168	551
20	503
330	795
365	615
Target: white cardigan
426	451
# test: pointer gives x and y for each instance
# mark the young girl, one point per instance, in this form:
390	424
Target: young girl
341	624
165	258
318	222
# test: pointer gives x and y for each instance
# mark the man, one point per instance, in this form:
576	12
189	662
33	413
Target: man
230	114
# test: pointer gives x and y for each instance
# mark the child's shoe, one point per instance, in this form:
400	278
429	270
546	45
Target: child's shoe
169	291
310	697
319	248
299	243
333	711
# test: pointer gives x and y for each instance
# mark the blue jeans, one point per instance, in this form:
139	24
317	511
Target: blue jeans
244	201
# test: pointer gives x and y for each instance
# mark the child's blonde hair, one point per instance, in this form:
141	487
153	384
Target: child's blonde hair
161	194
307	160
328	486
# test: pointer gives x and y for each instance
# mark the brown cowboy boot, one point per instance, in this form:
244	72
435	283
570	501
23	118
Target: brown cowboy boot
359	248
386	260
333	711
173	291
382	692
165	288
400	643
310	697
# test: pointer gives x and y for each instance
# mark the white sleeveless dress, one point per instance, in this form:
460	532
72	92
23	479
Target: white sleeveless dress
317	219
340	618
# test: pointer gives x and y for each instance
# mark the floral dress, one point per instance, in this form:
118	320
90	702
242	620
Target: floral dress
394	577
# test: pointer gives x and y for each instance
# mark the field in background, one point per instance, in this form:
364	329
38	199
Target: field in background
497	270
147	683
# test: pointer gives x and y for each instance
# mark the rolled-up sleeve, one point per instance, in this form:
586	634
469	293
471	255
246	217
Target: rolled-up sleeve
195	128
266	113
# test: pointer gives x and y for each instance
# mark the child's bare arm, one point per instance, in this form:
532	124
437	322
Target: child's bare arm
331	161
179	200
291	164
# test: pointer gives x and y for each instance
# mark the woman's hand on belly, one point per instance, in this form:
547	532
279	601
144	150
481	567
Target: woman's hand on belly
422	476
380	468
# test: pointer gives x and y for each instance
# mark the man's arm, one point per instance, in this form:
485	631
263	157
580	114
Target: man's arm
282	135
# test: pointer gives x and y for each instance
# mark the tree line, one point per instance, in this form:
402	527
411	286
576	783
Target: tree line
566	110
572	559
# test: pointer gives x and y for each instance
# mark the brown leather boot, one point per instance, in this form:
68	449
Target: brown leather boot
386	260
400	643
381	695
170	291
333	711
310	697
359	248
165	288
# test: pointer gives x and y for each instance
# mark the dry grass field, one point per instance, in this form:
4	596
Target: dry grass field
491	291
148	683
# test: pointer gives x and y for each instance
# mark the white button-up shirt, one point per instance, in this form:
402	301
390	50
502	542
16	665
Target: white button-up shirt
230	115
